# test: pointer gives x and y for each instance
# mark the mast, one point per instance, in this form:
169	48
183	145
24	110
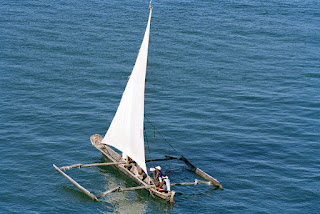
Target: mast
126	130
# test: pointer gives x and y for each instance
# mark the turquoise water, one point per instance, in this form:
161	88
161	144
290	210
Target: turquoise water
232	85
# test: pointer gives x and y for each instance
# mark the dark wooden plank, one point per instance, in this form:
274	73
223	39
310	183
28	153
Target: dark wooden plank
164	159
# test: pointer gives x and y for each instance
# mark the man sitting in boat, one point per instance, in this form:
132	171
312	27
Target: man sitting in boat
137	170
167	185
164	186
125	158
157	174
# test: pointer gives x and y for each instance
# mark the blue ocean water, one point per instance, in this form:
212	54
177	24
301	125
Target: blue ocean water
232	85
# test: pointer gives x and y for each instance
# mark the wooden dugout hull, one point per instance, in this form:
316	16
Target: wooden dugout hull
111	155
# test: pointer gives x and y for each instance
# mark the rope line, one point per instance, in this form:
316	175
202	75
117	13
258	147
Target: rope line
161	135
145	134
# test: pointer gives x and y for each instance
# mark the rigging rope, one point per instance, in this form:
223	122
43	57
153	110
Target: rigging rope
161	135
145	134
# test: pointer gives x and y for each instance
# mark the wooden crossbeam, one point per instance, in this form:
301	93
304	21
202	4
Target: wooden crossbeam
196	182
79	165
109	191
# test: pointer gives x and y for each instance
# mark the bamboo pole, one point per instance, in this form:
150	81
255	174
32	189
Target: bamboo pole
84	190
79	165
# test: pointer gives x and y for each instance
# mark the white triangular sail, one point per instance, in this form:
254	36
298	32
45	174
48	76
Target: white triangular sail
126	131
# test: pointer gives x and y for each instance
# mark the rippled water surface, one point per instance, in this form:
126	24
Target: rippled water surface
233	85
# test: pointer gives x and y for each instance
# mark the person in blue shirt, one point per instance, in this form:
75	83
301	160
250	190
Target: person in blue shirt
159	174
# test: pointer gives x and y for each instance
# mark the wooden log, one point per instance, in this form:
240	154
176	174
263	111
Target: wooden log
79	165
84	190
209	178
202	174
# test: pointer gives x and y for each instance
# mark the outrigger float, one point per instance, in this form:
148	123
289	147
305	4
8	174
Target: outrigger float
126	133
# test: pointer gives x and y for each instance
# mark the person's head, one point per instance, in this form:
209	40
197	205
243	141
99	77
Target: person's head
158	168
